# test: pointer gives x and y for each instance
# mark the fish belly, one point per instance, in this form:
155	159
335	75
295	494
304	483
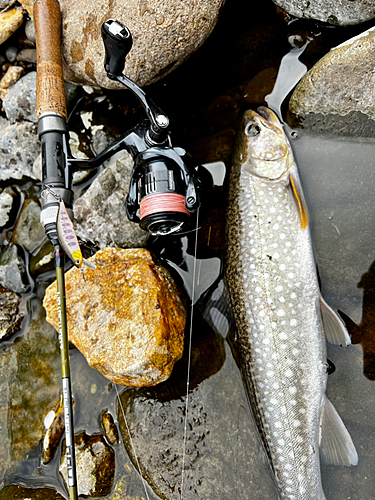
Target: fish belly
274	292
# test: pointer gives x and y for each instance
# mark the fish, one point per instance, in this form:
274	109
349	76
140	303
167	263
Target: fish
282	322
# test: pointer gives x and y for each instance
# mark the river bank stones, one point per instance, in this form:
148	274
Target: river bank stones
165	33
126	318
337	12
341	84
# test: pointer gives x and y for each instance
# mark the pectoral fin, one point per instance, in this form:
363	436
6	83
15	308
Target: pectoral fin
299	198
334	328
336	446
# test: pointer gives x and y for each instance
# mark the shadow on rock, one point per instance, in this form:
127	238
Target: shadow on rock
364	333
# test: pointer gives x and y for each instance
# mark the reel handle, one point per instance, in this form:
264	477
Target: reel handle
50	81
118	42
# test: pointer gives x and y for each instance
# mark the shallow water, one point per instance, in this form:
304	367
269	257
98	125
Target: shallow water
204	99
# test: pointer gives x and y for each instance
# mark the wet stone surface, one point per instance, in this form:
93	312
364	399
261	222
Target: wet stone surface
15	492
11	313
95	465
13	270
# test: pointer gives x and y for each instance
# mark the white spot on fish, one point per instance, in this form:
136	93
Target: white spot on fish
282	299
282	267
253	250
278	425
293	322
288	373
292	390
280	312
272	210
276	255
276	227
279	288
290	275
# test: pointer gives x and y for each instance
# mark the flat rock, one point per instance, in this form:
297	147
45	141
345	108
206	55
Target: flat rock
340	84
165	33
7	198
28	231
19	148
11	313
20	101
10	21
101	214
127	318
13	270
95	461
337	12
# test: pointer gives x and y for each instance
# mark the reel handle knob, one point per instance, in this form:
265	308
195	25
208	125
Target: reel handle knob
117	41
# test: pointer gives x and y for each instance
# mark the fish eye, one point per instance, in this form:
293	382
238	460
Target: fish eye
252	129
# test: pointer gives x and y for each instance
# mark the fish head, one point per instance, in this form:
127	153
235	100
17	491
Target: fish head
263	149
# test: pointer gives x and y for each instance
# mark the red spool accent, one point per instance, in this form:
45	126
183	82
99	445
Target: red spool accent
163	202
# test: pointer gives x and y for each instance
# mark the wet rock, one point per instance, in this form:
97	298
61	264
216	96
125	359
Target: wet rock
11	53
138	308
27	55
218	453
10	21
337	12
20	101
30	30
43	260
28	5
12	75
100	213
258	87
165	33
11	313
16	492
28	230
7	197
12	270
95	465
19	148
29	381
109	427
54	432
340	84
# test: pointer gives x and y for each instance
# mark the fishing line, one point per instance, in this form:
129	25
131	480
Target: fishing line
189	356
132	444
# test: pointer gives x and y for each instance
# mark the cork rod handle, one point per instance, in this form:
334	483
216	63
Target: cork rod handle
50	92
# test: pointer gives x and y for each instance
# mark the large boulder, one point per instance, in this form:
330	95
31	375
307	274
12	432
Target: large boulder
165	33
126	318
337	12
340	84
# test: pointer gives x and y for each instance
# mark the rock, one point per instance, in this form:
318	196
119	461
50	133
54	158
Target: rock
20	101
11	53
12	270
28	5
28	231
16	492
101	214
19	148
127	318
6	204
12	75
220	458
337	12
54	432
109	427
43	260
10	21
340	84
11	313
30	379
27	55
30	30
165	33
95	465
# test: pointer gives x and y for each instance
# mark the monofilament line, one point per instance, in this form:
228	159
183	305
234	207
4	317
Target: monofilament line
132	444
189	357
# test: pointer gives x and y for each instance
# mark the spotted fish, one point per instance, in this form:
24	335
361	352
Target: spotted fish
281	319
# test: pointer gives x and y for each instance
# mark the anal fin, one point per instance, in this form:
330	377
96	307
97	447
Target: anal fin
336	446
334	328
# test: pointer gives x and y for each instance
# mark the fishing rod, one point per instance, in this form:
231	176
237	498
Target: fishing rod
165	185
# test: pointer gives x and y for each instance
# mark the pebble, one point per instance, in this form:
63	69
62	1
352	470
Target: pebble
11	53
30	30
12	75
27	55
10	21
